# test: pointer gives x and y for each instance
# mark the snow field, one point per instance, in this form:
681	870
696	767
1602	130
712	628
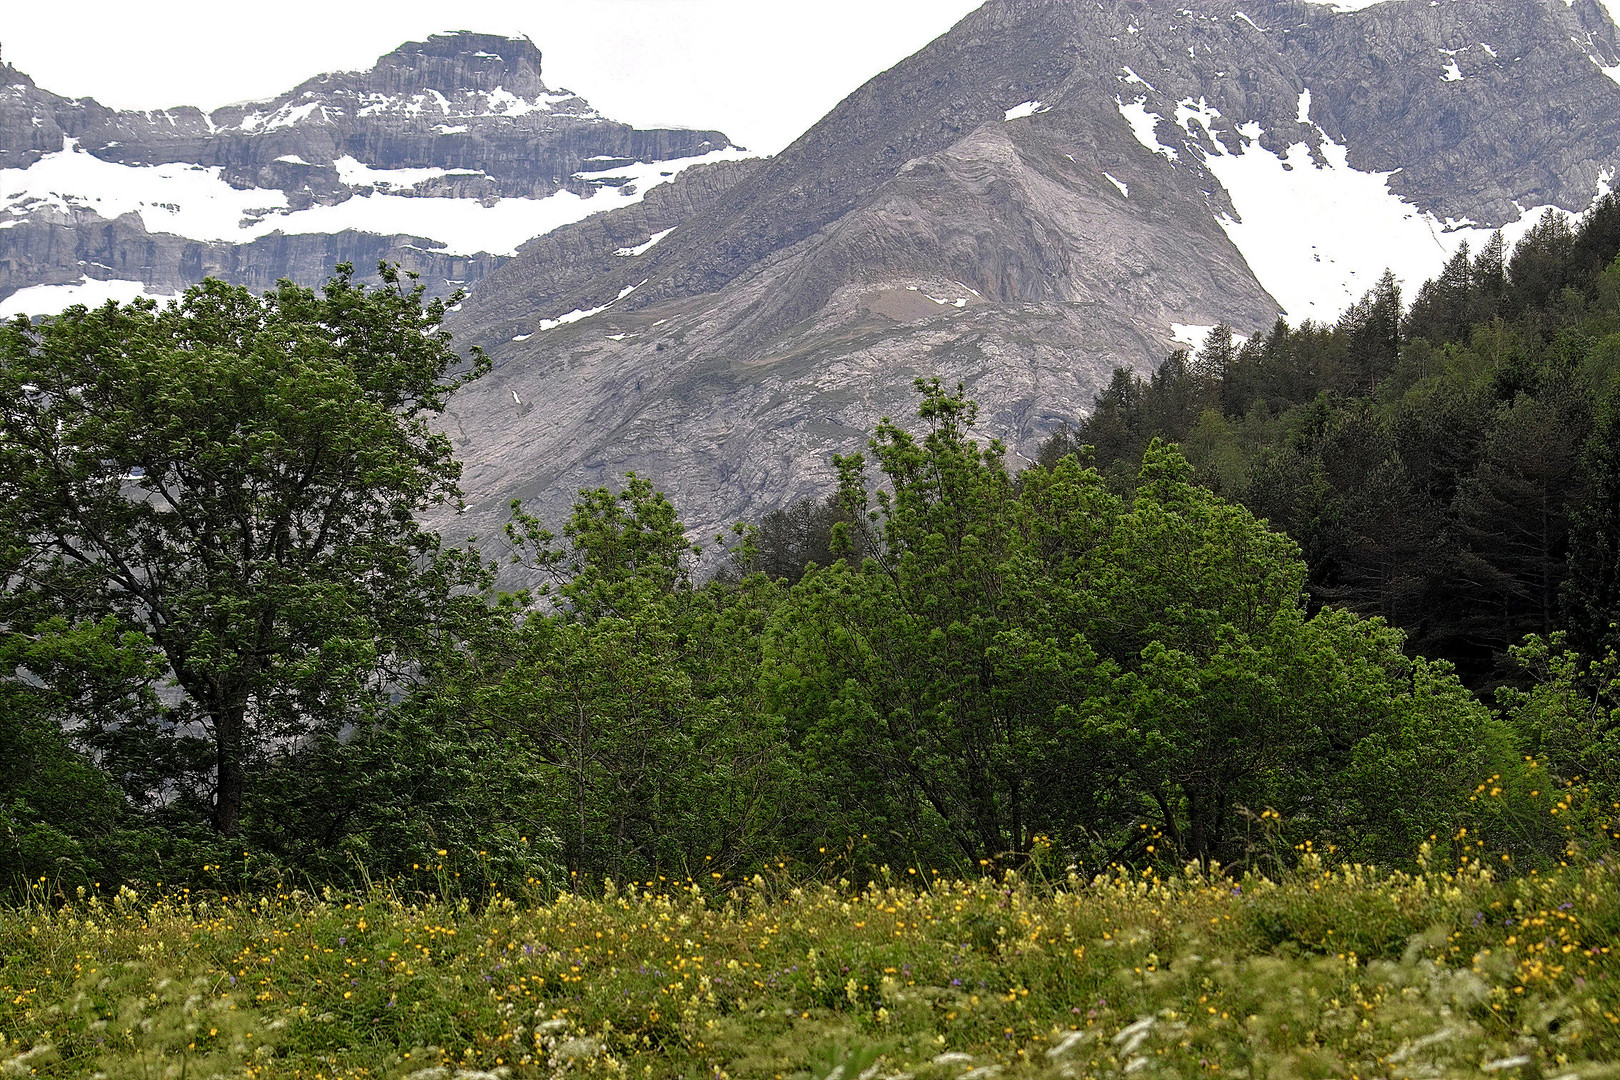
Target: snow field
195	202
1319	235
54	299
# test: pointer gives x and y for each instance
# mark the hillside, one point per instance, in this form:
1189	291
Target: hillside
1049	191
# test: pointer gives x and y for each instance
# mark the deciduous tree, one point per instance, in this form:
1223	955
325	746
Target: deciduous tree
231	483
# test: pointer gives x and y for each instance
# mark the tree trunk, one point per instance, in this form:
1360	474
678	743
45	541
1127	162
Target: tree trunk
229	724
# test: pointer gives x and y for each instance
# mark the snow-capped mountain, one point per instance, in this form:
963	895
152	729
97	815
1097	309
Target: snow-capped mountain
1052	189
445	157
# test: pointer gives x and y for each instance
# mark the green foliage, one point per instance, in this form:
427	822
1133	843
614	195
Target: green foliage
213	550
810	532
62	818
1036	656
622	551
1591	593
1570	715
627	694
921	688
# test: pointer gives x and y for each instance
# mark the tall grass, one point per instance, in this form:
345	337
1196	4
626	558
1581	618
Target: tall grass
1325	971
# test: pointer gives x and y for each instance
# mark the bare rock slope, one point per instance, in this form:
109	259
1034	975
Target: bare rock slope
1052	189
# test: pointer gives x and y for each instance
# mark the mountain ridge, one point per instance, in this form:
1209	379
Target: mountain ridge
462	123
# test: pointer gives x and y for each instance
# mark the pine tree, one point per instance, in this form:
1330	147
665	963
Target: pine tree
1591	595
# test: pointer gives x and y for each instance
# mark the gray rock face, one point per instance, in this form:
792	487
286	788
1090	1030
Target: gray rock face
556	266
989	211
460	116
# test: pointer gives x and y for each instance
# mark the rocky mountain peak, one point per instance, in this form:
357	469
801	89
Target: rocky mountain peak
453	63
459	74
11	76
443	156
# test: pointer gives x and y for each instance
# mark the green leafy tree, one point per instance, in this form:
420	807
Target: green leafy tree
631	692
1371	329
1513	513
61	817
1570	714
1541	266
929	691
1034	655
1442	311
789	541
231	485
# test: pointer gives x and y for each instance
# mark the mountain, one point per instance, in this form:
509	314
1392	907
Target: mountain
445	156
1051	189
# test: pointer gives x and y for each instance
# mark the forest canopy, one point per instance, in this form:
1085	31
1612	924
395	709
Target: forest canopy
1350	586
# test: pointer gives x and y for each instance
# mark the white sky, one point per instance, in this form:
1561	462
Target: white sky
762	71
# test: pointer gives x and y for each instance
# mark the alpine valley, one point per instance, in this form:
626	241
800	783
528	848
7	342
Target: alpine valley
1051	190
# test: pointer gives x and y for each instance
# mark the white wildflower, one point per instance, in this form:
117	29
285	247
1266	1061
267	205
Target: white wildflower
1504	1063
1133	1036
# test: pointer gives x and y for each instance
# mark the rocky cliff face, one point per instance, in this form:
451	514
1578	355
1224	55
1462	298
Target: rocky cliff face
1054	188
445	156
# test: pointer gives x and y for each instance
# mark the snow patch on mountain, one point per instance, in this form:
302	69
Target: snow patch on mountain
1144	124
458	226
642	249
1342	6
583	313
1028	108
194	201
1193	335
53	299
1188	110
358	174
1188	334
287	116
469	103
187	200
1319	235
1132	77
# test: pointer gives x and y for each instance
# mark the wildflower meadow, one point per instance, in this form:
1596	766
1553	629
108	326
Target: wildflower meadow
1322	971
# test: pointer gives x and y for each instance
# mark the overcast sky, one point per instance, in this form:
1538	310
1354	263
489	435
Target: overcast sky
762	71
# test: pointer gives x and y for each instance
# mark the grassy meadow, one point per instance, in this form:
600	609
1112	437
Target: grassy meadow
1320	971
